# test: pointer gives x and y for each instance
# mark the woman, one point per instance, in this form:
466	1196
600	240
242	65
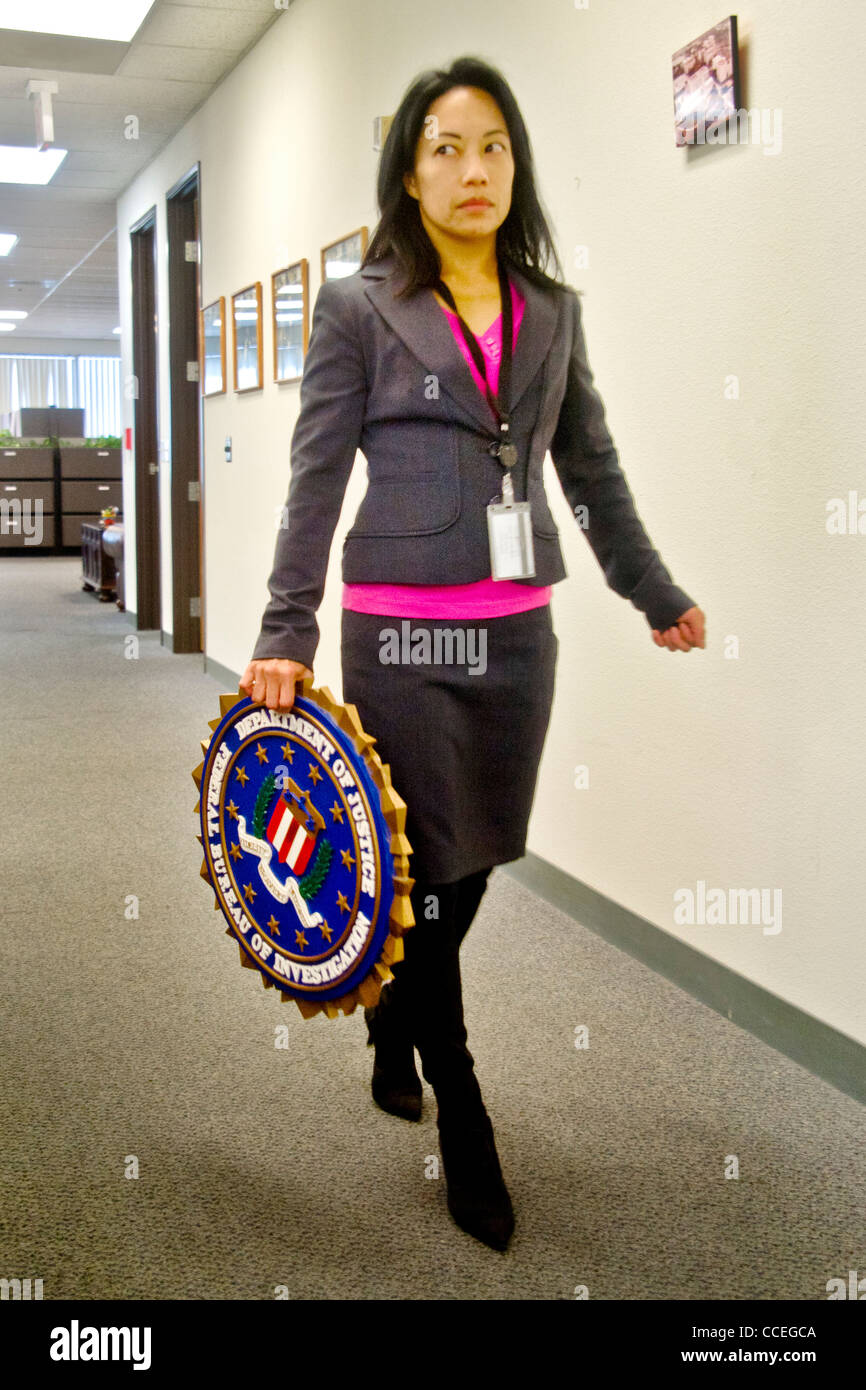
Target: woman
409	360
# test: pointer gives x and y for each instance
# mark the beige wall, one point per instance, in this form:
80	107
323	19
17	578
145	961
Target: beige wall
743	772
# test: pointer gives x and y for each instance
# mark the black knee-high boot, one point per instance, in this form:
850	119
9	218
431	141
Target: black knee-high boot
426	993
470	891
425	998
395	1085
429	984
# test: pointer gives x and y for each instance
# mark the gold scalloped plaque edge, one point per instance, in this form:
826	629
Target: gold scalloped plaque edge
401	916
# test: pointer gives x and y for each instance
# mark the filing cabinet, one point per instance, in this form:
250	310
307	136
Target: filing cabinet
47	494
27	499
90	479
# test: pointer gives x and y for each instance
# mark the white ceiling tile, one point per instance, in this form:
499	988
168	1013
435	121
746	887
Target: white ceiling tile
181	53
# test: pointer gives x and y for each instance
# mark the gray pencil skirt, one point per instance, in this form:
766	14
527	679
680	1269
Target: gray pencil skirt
463	737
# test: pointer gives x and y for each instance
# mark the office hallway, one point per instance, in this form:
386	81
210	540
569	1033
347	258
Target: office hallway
262	1167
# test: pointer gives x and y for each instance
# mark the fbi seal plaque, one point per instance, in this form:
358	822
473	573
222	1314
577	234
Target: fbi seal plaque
305	848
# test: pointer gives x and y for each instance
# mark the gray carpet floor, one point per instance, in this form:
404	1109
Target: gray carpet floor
261	1167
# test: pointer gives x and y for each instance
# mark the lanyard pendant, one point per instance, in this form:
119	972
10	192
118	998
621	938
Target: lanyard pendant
505	453
509	526
509	531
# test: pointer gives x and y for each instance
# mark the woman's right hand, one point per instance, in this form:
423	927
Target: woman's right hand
271	682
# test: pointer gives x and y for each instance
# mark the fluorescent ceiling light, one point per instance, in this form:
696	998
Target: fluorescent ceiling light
25	164
7	327
7	241
86	19
13	314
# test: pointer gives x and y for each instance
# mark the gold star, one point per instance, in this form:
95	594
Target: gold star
348	858
233	810
337	812
315	774
288	751
249	892
243	777
342	902
300	939
273	926
261	754
236	852
326	931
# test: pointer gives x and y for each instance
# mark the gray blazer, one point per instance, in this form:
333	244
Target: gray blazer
386	376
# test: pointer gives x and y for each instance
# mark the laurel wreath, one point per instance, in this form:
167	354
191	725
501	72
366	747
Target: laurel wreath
315	875
266	791
312	880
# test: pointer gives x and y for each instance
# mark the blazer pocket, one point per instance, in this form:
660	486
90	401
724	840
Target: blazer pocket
413	484
411	506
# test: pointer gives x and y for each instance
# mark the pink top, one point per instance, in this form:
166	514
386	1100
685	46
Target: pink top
486	598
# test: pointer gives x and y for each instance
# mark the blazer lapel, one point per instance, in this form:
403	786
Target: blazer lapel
423	327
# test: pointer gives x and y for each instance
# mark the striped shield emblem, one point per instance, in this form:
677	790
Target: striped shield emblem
287	833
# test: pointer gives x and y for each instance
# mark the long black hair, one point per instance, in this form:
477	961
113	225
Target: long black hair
524	237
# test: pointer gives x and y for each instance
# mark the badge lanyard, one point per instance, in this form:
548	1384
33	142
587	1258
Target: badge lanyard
509	523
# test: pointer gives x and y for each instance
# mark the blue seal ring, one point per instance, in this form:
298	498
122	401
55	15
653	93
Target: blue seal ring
297	829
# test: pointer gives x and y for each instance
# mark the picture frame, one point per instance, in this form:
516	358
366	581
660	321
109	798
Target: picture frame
343	257
290	313
212	347
706	77
247	338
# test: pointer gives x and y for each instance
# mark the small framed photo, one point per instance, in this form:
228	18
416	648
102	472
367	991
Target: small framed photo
343	257
212	348
247	320
290	300
706	77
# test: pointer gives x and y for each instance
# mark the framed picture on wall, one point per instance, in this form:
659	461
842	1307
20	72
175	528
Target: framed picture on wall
290	301
212	347
706	83
343	257
247	320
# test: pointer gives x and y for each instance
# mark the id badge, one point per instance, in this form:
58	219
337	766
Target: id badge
509	528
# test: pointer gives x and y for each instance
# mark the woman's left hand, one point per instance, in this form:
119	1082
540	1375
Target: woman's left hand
689	631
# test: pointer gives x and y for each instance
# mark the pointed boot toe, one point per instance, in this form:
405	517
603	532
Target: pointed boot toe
478	1199
491	1228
